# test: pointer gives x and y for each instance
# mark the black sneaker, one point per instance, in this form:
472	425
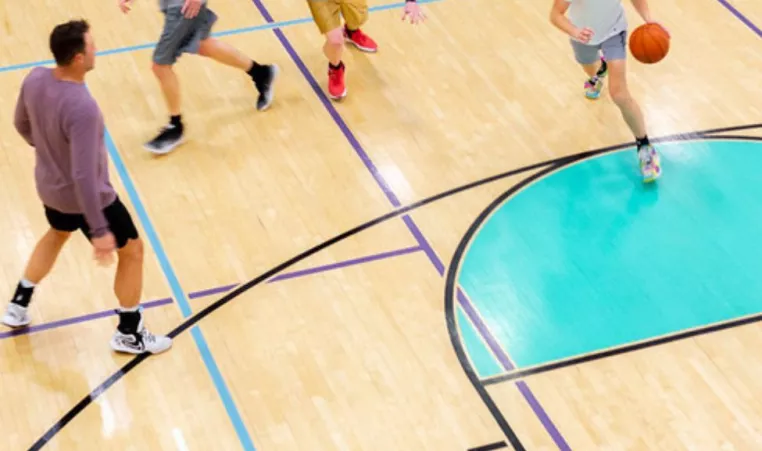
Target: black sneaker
169	138
265	87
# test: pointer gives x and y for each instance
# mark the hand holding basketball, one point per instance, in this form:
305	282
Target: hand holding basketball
649	43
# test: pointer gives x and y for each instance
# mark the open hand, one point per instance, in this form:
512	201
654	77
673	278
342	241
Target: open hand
124	5
583	35
413	10
191	8
104	248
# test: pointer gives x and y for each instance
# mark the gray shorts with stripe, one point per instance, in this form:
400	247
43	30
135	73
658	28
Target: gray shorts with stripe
181	35
613	48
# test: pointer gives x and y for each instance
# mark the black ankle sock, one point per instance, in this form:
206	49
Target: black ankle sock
339	66
603	67
257	71
176	121
128	321
349	32
23	295
642	141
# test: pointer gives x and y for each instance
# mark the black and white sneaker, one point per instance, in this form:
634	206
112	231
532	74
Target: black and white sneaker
266	87
170	137
16	316
141	342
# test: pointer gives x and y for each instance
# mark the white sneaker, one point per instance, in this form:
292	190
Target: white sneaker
16	316
141	342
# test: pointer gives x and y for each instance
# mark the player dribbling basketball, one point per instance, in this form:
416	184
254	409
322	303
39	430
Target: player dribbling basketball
601	26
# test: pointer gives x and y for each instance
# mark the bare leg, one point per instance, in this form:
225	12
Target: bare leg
128	283
224	53
262	75
334	46
650	164
620	94
40	263
131	335
591	69
170	87
45	255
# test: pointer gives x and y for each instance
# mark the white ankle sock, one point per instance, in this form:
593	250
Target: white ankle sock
26	284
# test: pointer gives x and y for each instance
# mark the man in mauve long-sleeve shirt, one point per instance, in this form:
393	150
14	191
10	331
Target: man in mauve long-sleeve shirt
57	116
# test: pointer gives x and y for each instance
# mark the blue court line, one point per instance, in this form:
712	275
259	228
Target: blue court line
235	31
179	295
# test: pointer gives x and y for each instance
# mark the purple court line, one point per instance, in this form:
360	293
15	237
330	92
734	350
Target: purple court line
412	227
203	293
741	17
315	270
344	264
76	320
502	357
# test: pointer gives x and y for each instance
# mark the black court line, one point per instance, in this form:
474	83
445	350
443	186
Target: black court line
490	447
713	135
518	374
451	287
191	321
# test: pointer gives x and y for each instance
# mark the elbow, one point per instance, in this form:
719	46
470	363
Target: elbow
23	129
553	17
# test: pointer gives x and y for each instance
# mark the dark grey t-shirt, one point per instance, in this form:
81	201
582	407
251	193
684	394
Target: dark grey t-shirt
62	121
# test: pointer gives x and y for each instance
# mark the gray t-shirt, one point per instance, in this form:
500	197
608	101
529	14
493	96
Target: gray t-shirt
605	17
61	120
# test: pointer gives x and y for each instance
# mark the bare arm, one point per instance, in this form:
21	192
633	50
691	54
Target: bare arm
641	6
84	137
559	19
21	119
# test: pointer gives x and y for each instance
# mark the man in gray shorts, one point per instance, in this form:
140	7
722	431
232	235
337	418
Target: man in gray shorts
187	28
600	26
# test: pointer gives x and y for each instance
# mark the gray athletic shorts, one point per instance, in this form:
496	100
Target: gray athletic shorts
181	35
613	48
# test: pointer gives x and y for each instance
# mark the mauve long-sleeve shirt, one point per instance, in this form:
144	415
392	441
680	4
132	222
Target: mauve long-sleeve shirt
64	124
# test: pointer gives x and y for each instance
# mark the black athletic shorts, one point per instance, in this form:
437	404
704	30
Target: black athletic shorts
119	222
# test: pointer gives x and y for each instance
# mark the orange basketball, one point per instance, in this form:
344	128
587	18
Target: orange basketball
649	43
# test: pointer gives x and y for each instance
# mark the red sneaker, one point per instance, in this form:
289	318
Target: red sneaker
361	40
336	88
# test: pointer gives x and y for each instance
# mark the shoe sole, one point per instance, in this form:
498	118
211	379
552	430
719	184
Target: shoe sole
359	47
136	352
276	72
652	178
339	97
166	150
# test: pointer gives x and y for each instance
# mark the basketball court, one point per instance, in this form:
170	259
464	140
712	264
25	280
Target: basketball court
458	256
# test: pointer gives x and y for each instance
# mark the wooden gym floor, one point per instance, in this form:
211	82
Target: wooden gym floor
392	337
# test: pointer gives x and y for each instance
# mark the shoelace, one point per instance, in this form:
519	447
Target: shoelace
645	156
147	336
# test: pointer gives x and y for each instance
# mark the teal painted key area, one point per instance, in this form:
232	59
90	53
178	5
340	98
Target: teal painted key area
589	258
